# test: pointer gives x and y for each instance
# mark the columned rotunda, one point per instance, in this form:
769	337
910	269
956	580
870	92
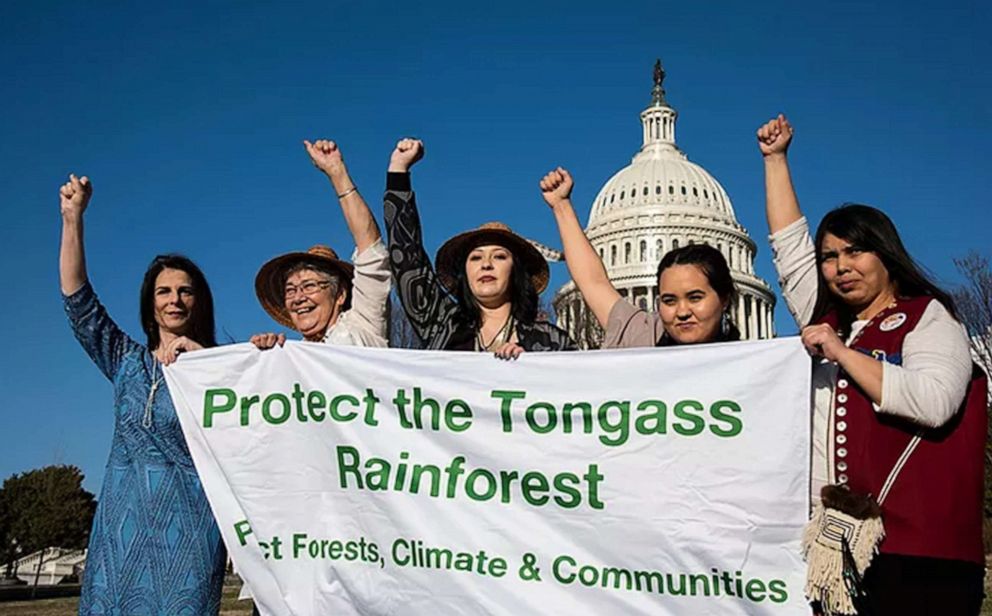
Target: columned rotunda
657	203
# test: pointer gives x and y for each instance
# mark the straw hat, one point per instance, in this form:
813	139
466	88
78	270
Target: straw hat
451	256
271	279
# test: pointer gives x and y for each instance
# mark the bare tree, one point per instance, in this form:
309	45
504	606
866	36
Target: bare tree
589	333
974	304
576	318
401	334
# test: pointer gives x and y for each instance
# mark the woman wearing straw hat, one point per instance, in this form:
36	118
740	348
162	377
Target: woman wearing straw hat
319	295
316	293
483	294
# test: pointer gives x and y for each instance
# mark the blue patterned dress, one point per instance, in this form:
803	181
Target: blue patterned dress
154	548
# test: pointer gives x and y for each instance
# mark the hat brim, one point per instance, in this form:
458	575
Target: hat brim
452	254
271	280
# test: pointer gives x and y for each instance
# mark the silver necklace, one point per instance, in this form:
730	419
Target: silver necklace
502	337
146	421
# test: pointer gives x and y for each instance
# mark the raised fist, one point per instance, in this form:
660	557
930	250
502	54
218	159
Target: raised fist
75	195
774	137
556	187
407	152
325	156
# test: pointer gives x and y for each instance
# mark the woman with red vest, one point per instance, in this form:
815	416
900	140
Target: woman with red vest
897	399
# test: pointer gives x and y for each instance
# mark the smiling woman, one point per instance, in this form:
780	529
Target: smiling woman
152	519
174	298
696	292
304	283
309	292
171	305
319	295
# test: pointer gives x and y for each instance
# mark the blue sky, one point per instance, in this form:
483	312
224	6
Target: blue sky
189	119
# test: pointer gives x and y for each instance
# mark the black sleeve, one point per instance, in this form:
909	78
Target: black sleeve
427	304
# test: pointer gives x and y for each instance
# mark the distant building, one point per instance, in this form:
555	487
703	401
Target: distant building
659	202
56	565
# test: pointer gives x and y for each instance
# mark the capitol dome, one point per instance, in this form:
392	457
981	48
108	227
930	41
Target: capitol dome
657	203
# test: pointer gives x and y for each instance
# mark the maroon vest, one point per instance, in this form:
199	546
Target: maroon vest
935	506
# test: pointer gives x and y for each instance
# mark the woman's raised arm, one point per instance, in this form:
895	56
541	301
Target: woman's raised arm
584	265
74	196
427	305
326	156
105	343
781	205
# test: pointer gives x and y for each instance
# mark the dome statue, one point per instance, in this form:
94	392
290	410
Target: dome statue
658	202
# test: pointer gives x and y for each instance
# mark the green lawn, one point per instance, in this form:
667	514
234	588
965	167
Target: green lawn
230	606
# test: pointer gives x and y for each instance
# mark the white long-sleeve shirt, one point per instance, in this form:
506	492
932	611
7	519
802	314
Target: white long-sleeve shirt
364	324
926	389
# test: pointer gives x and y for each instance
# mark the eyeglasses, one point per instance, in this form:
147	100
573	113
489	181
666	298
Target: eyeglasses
308	288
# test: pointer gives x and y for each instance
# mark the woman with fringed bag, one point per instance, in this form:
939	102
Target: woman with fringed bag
899	412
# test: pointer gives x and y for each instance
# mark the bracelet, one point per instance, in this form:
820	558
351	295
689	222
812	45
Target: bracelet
348	192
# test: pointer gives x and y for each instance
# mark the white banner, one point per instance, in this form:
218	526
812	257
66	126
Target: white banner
375	481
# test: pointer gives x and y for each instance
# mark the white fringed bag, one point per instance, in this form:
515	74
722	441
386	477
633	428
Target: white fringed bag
841	540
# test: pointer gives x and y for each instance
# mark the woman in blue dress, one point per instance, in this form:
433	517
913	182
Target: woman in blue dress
154	547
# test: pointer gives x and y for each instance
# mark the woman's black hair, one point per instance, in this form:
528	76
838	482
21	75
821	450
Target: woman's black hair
201	316
870	229
523	297
713	264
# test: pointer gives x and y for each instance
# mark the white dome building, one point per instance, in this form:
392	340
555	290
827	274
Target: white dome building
657	203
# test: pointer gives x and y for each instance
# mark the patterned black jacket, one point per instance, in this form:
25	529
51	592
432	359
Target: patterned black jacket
431	310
